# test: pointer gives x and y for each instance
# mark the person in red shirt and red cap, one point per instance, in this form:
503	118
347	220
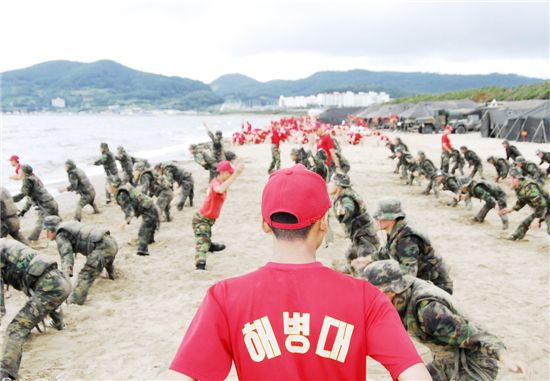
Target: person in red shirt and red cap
275	148
294	318
206	217
446	148
14	160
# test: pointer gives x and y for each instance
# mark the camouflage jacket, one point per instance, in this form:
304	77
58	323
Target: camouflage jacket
203	159
450	183
456	156
429	314
412	250
472	158
126	162
407	160
512	152
485	190
80	183
427	168
502	167
36	192
21	266
532	170
348	208
217	147
136	203
530	193
7	206
147	183
107	160
545	158
177	173
73	237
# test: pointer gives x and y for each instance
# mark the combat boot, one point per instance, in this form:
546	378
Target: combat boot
200	265
142	253
180	205
513	237
216	247
504	220
57	320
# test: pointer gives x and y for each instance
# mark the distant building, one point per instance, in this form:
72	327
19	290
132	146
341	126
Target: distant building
347	99
58	102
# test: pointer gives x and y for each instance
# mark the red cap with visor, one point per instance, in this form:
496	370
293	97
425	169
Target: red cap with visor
225	166
296	191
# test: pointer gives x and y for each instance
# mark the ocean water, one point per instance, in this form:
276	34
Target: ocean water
46	141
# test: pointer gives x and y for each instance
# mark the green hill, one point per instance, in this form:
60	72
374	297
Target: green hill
487	94
397	84
98	85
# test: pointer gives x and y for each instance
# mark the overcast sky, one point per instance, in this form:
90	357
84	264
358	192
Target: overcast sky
280	39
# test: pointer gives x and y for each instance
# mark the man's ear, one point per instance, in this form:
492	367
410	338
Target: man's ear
323	223
266	228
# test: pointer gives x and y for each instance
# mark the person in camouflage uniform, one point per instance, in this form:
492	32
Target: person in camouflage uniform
36	194
393	147
427	169
512	152
318	164
145	180
462	350
9	221
351	212
126	163
344	163
37	276
529	193
452	184
501	166
473	161
217	144
407	163
458	162
79	183
94	243
184	179
299	156
488	192
411	249
107	160
137	204
165	191
202	158
544	158
530	169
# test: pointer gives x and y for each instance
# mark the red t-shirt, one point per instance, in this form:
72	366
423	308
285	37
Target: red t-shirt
17	169
290	322
326	143
445	142
212	205
276	138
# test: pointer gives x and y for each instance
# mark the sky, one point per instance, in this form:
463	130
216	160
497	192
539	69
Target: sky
281	39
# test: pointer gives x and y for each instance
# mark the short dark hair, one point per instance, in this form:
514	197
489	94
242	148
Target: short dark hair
286	234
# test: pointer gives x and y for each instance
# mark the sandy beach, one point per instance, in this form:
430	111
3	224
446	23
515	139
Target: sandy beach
130	328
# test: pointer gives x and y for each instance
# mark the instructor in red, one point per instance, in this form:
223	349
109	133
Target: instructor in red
295	319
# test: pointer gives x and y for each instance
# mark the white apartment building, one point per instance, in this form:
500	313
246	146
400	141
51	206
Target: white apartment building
347	99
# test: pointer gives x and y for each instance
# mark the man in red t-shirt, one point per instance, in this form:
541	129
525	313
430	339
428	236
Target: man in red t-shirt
275	149
205	218
295	319
325	142
446	148
14	160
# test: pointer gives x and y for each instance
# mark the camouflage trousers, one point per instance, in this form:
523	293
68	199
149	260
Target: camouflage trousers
102	257
187	190
432	186
146	233
163	203
490	204
107	191
445	161
202	229
275	159
478	168
524	226
462	365
85	200
49	210
10	226
440	277
49	292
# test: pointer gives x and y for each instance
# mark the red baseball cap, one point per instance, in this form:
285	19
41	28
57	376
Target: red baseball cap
225	166
297	191
14	157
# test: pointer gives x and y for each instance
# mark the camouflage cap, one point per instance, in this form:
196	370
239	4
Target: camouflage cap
491	159
399	150
463	180
439	173
421	153
51	223
386	275
538	152
219	133
463	148
506	142
192	146
520	159
120	149
27	169
70	163
389	209
515	172
103	145
139	166
341	179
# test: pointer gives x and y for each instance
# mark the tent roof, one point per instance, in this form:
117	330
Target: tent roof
541	111
417	111
522	106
